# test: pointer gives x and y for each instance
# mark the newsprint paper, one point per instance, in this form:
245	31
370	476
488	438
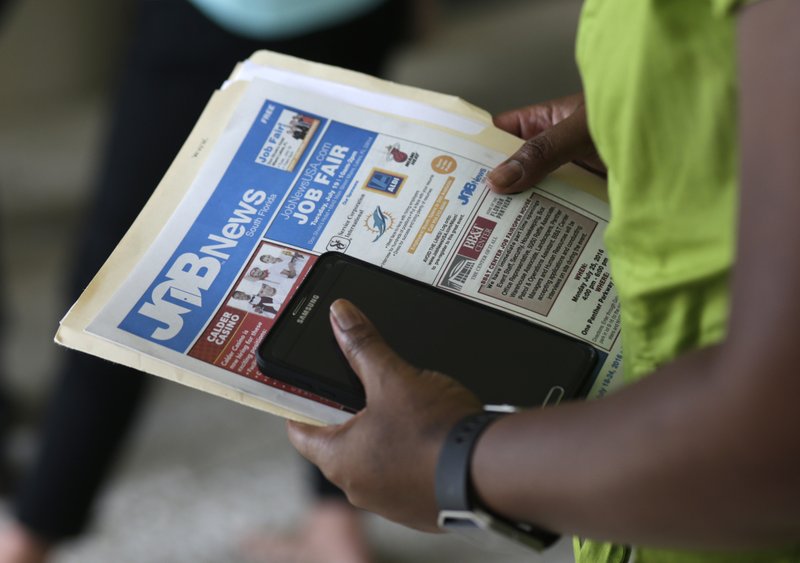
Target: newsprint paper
291	159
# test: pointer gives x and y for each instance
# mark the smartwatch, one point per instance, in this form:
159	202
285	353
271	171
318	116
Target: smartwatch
459	507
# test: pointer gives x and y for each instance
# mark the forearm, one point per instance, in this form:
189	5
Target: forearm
682	458
703	452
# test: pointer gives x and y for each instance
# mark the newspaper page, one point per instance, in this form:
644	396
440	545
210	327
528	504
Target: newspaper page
295	174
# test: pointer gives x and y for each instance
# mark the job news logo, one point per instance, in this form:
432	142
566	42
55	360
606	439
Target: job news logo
469	188
191	274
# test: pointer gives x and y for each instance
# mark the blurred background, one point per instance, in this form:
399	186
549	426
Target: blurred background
199	473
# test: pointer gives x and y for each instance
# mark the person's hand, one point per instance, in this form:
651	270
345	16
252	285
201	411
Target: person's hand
556	133
384	458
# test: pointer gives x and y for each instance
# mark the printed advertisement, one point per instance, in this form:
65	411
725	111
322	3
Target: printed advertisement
290	183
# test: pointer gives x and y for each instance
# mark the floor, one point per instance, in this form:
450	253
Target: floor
201	473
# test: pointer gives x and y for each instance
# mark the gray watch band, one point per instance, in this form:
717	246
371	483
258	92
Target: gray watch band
453	483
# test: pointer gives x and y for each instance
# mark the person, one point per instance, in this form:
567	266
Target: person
267	290
262	302
6	404
269	259
289	272
692	107
291	255
257	274
179	54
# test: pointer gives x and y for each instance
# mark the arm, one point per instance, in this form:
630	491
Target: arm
703	453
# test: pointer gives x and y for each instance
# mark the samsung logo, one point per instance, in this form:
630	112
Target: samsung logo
312	302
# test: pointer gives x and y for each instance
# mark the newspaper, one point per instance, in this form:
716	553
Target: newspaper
292	159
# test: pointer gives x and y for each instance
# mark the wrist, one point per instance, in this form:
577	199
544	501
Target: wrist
460	507
454	489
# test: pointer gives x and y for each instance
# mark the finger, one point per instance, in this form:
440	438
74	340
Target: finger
365	349
529	121
526	122
566	141
315	443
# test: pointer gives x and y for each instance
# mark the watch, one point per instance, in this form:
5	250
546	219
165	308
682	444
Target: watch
459	507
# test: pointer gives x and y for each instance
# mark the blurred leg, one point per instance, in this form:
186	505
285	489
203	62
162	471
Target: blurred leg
176	60
166	80
5	402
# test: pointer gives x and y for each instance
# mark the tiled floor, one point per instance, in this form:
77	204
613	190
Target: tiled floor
200	473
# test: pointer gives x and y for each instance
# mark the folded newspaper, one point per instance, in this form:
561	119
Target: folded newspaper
291	159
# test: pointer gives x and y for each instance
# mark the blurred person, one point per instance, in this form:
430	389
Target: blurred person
5	399
6	404
180	52
692	107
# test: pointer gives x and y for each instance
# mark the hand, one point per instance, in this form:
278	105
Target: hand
556	133
384	458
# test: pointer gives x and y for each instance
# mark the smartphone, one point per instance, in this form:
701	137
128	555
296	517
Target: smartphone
503	359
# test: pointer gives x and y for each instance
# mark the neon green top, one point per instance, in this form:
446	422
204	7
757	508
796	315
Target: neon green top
660	84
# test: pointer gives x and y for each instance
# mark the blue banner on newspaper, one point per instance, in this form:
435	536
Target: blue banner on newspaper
195	279
325	178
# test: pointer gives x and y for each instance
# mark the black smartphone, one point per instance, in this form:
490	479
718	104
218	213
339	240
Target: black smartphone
503	359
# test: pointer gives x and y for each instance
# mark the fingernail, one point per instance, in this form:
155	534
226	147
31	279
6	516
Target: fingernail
506	174
345	314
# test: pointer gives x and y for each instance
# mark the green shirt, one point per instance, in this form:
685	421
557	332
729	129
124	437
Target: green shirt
660	84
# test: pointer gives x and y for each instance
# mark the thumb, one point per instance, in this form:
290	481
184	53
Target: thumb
365	349
315	443
566	141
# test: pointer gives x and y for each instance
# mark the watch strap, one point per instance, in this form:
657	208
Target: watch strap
453	477
453	482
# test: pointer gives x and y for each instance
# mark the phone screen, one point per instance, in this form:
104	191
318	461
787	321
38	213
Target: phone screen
503	359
